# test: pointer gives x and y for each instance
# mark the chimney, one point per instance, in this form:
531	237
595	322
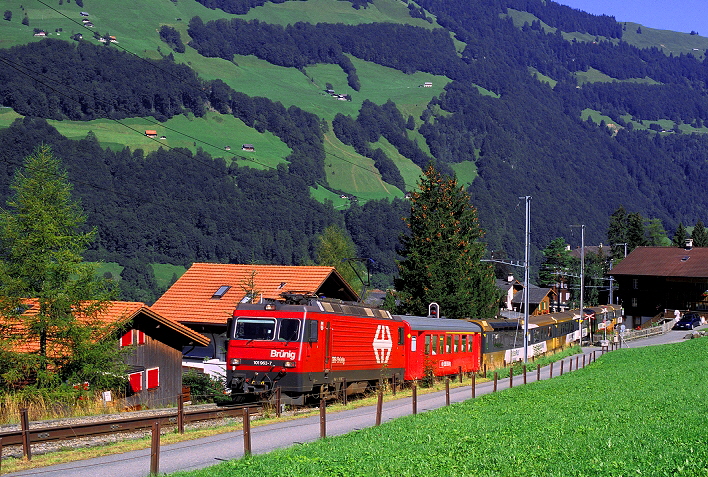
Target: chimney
689	244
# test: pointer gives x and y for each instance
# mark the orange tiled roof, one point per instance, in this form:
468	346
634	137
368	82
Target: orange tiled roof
115	315
191	298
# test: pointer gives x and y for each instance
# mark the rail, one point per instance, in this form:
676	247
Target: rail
71	431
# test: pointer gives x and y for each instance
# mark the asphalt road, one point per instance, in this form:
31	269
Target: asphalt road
208	451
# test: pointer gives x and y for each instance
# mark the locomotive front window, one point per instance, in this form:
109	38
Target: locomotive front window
254	329
289	330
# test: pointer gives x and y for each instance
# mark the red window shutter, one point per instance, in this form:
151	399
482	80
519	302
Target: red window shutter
141	337
136	381
127	339
153	378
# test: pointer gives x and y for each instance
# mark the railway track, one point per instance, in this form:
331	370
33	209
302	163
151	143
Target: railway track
83	428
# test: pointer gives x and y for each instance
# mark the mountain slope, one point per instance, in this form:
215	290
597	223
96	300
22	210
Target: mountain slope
580	112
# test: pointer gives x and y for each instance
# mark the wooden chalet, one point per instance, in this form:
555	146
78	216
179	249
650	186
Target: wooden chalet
154	376
205	297
540	299
654	279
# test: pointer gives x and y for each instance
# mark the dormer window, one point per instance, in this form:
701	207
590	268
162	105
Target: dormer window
220	292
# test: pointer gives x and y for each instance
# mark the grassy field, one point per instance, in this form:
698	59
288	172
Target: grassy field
164	273
212	133
348	171
326	11
633	412
135	26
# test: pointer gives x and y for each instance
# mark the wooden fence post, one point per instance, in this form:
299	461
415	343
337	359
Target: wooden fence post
551	369
524	374
180	413
278	401
246	431
323	419
379	407
24	422
496	377
474	382
155	449
447	391
511	377
562	367
414	388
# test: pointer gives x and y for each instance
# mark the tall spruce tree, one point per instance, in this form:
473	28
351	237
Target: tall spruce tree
557	263
699	235
680	236
617	232
443	252
41	247
636	232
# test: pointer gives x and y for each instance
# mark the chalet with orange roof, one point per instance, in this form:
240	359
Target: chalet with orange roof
654	279
155	363
204	298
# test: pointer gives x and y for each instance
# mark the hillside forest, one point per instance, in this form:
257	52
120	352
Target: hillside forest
538	100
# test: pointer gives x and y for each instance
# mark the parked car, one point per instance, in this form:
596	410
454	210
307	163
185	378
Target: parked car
688	322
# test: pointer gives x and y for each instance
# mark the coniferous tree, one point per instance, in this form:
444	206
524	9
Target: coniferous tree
41	259
617	232
699	235
442	254
557	262
680	236
636	234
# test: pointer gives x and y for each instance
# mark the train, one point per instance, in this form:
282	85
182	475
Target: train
503	338
311	347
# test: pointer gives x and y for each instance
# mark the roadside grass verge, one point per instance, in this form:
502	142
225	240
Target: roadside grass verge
170	436
632	412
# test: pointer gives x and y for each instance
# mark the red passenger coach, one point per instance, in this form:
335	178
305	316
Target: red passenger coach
311	346
440	346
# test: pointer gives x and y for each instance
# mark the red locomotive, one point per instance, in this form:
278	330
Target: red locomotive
309	346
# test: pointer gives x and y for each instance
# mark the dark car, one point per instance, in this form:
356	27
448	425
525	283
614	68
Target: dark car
688	322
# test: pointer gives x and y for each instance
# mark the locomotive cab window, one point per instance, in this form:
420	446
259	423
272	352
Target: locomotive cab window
254	329
289	330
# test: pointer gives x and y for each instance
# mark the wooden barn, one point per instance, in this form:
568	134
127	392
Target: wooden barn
154	376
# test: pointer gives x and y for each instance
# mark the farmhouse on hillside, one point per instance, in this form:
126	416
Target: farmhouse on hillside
205	297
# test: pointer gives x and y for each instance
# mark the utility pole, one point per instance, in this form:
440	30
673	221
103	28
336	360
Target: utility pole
582	282
527	257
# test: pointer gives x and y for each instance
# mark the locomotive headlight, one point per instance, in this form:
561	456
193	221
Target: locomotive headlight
289	364
235	361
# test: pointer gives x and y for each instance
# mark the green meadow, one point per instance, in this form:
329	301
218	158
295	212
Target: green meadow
632	412
134	25
164	273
